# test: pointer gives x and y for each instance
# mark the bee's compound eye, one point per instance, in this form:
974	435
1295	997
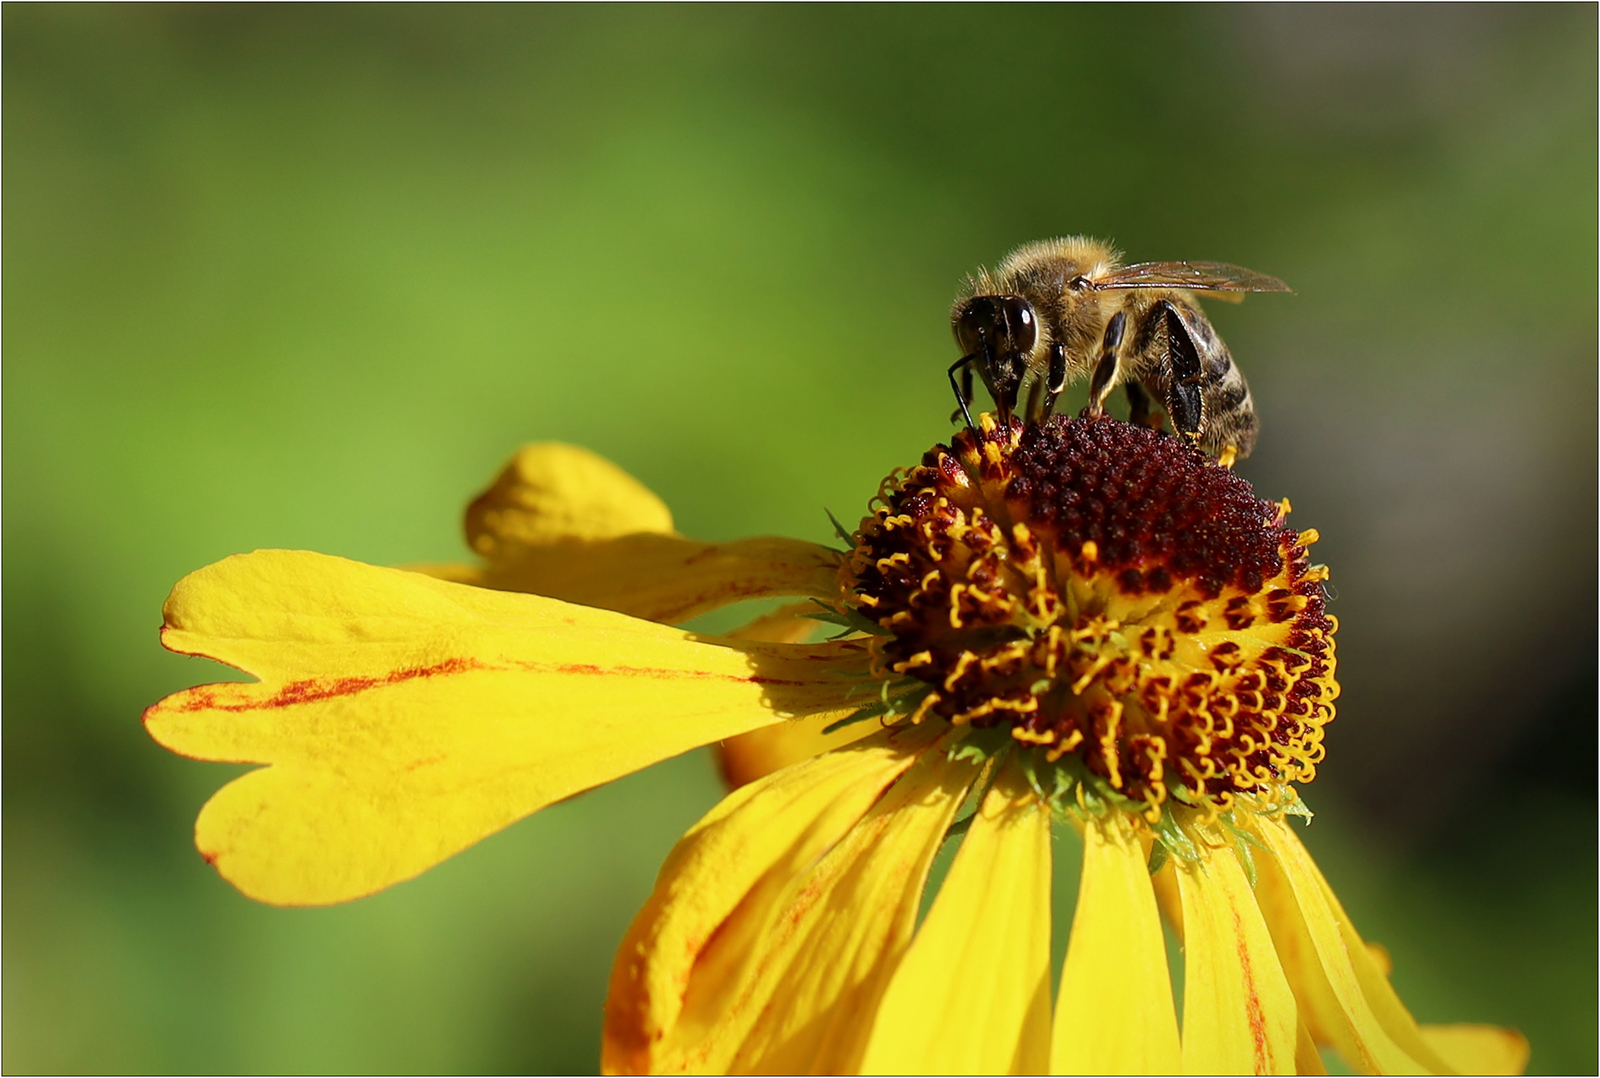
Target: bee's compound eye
1004	324
1021	323
975	321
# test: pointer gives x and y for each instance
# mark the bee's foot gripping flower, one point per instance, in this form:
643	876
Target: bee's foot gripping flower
1079	621
1111	596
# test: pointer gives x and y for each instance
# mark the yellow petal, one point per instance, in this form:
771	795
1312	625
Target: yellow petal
809	997
791	980
1307	1059
789	624
772	748
1318	1006
562	522
456	574
972	995
1115	1012
1479	1049
757	838
666	578
1165	883
406	718
1239	1015
1347	999
551	491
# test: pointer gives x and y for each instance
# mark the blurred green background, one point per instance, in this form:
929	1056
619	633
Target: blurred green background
304	276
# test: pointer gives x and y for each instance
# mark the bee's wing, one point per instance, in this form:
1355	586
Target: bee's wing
1199	276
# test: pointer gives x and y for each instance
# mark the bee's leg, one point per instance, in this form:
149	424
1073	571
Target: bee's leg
1105	370
1056	381
1139	407
1100	382
1187	409
963	389
1185	403
1035	401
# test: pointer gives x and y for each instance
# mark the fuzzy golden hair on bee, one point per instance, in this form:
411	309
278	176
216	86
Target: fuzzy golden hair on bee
1060	310
1044	260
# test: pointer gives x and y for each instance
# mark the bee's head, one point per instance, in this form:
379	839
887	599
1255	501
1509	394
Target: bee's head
995	327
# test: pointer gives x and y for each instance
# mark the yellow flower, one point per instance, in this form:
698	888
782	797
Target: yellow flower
1081	620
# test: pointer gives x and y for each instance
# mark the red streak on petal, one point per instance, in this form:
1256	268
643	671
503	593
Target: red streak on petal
315	690
312	690
1252	1000
659	673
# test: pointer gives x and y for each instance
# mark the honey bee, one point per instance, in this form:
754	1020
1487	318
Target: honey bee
1059	310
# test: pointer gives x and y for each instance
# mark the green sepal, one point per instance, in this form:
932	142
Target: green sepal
1061	784
981	745
1246	858
898	705
1182	795
869	712
827	614
987	751
1240	835
1158	857
1091	793
838	529
1296	807
852	620
1242	841
887	690
1170	834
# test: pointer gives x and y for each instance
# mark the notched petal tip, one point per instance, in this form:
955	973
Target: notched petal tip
405	718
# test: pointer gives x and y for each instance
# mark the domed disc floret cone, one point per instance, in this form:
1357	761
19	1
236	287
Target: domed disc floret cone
1111	596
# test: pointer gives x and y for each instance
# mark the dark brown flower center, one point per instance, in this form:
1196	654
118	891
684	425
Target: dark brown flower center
1106	592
